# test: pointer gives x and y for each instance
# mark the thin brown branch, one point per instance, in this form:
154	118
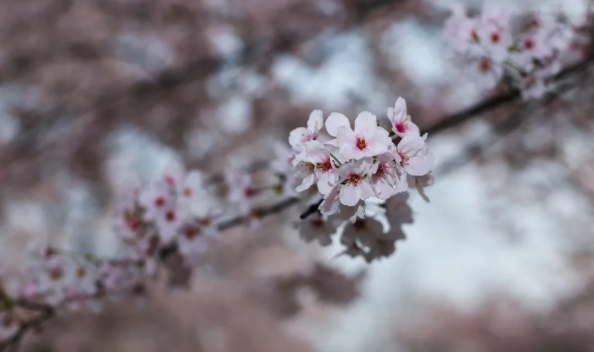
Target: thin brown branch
258	213
46	313
497	101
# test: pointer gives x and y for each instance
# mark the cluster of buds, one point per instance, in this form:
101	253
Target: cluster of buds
491	47
348	166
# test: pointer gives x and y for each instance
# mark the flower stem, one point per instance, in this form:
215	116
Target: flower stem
335	159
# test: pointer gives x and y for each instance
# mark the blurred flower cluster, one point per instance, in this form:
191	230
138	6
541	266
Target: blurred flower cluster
526	53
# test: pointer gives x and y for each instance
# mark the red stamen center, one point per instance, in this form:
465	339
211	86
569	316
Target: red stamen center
361	143
495	37
188	192
529	44
403	158
249	192
190	233
381	170
170	180
159	202
55	274
484	65
354	179
325	165
170	216
306	137
81	272
401	127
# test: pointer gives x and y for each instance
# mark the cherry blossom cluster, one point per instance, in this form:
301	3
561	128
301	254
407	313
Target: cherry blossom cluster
342	172
172	211
172	214
349	165
492	47
60	279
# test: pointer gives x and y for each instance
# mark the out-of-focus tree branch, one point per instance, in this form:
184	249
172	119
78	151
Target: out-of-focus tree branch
498	101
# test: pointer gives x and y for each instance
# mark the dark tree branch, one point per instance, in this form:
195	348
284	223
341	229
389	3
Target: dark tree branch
46	313
498	100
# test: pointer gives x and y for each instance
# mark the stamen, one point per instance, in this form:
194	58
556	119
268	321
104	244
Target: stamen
159	202
495	37
361	143
484	65
170	216
325	165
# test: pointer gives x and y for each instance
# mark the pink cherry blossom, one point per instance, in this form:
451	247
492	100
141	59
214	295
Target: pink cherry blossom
495	40
173	175
495	15
382	176
413	156
324	165
241	190
53	277
194	187
194	239
460	30
355	186
485	72
402	124
532	46
156	199
170	221
84	277
331	205
299	137
306	172
367	139
283	160
334	122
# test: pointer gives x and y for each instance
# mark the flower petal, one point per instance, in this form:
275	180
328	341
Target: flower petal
307	182
295	138
348	195
399	111
420	165
411	145
366	124
316	121
335	121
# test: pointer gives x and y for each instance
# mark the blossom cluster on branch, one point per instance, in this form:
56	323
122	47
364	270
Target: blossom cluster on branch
178	214
526	54
349	165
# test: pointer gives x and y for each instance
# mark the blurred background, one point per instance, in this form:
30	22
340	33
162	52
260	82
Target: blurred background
95	94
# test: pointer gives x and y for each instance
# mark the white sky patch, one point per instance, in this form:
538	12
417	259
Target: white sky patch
235	115
225	43
136	156
416	49
346	71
